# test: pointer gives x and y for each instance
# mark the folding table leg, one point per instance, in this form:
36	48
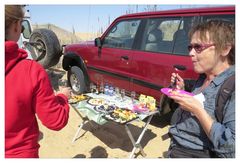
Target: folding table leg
78	131
137	143
132	140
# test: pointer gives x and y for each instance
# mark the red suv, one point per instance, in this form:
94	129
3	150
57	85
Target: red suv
138	52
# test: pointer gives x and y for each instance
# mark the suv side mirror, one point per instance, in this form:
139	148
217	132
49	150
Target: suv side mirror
98	42
26	33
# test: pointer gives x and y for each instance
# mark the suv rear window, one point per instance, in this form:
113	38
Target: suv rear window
230	18
162	34
158	34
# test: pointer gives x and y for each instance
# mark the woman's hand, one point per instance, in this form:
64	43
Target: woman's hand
188	103
194	106
66	91
177	81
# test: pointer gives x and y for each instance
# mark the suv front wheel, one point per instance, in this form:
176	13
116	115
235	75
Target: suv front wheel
76	80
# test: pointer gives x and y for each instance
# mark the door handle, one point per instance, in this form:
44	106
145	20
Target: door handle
125	57
180	67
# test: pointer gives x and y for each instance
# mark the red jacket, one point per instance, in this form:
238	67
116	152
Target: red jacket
28	92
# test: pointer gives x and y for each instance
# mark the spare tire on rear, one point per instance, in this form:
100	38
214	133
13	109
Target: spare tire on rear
46	48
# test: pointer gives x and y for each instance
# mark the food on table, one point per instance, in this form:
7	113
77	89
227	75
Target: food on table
121	115
105	108
77	98
147	102
140	108
124	114
97	101
143	99
151	103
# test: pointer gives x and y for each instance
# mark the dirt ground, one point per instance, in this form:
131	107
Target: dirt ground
101	141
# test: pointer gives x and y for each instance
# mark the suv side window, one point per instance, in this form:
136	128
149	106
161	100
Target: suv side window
224	17
122	34
158	36
181	39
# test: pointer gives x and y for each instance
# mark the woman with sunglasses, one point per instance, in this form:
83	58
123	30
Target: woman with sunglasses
196	131
28	92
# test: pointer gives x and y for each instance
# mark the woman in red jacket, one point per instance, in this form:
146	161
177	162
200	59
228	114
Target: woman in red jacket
28	92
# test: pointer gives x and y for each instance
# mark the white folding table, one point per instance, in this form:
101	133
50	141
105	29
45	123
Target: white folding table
88	114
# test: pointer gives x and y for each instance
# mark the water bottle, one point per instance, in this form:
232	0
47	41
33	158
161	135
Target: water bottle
110	91
106	89
101	87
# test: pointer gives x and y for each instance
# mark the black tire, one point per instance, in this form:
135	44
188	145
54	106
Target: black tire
76	80
54	61
46	48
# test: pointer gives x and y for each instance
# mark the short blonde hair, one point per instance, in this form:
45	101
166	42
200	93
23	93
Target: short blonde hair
222	33
13	13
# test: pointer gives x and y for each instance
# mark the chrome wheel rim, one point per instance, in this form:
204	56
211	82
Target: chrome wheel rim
75	83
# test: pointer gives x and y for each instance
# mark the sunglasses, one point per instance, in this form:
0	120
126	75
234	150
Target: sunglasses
199	47
23	28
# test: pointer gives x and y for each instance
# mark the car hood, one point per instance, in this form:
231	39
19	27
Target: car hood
82	43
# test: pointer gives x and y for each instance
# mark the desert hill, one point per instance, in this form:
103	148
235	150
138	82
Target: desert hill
66	37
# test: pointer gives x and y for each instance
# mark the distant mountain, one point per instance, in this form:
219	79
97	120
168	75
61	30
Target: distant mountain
87	36
66	37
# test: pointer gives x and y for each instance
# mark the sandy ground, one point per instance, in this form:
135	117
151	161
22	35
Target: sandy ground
101	141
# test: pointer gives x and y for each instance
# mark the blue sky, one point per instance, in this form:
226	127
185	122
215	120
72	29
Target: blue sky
86	18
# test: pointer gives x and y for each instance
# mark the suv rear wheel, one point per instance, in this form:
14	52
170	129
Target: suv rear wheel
76	80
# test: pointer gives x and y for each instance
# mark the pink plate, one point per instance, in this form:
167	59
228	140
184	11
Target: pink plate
139	109
167	91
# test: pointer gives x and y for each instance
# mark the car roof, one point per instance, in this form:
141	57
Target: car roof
180	11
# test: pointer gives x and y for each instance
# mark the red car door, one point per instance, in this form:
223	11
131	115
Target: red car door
114	62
